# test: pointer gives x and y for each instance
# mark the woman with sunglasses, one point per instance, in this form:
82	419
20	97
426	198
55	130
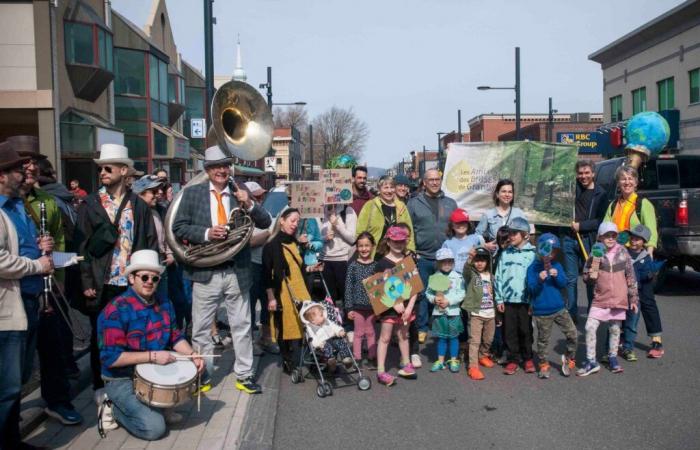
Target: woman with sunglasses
137	327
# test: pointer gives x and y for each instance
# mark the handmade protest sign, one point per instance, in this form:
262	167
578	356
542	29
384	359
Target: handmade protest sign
396	285
337	186
307	197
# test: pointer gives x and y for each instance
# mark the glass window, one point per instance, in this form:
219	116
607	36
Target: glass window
667	172
130	73
694	76
163	81
137	145
153	77
666	94
160	143
689	173
133	127
616	108
172	86
639	100
163	113
195	103
129	108
77	138
108	53
78	41
141	165
181	90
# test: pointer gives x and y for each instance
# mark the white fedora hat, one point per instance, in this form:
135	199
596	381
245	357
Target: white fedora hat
144	260
213	156
114	154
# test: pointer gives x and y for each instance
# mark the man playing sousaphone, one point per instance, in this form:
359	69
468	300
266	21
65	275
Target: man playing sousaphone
203	215
138	327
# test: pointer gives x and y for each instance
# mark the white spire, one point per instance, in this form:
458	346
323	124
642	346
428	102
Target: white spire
238	73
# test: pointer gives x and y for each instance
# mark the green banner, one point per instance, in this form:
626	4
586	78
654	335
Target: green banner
543	174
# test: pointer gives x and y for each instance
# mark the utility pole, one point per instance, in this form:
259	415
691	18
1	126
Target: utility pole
209	22
517	93
550	121
311	152
459	124
422	167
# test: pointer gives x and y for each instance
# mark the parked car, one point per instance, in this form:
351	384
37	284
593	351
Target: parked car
672	184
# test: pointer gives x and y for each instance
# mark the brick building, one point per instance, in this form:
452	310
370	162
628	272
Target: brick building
286	143
488	127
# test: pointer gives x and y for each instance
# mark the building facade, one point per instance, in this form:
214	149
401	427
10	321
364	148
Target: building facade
489	127
657	68
286	143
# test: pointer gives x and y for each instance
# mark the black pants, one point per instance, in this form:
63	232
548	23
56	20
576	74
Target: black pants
53	334
517	325
108	293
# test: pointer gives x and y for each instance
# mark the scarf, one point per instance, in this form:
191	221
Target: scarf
280	268
621	215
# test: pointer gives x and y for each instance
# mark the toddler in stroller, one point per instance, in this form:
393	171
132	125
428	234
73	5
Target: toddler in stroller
325	335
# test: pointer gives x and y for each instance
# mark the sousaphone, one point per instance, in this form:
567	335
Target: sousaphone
242	127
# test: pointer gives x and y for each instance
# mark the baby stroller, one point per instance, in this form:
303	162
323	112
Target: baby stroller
309	356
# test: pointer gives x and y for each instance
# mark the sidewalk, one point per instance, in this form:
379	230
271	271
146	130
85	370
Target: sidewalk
217	426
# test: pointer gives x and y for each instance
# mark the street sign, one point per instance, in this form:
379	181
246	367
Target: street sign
270	164
198	128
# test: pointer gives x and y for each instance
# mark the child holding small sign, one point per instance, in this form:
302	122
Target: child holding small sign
446	291
397	317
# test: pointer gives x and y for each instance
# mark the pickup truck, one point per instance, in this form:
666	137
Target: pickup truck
672	184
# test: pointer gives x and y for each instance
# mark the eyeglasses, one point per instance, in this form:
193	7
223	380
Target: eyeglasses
433	180
145	278
107	169
31	162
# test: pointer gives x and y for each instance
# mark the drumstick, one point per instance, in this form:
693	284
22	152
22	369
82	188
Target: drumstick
199	389
186	357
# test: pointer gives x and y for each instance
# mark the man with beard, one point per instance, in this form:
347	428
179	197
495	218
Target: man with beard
21	266
109	211
360	193
52	330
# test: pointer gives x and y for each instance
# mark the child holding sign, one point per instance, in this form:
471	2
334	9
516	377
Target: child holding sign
446	291
397	317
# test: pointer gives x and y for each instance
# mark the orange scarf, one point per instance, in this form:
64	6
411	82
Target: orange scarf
623	211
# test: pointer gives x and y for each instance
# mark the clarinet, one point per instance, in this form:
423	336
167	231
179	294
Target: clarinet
43	232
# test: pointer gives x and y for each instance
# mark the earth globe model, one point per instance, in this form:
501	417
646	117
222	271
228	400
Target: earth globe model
647	134
343	161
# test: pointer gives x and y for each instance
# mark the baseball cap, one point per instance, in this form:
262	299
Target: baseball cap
519	224
444	253
395	233
482	252
459	215
549	238
145	183
607	227
641	231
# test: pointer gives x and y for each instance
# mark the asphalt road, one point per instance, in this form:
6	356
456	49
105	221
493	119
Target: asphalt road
653	404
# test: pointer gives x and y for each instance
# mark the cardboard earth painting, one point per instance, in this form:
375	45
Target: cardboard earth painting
395	285
337	184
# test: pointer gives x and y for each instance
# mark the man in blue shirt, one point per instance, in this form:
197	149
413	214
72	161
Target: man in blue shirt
20	259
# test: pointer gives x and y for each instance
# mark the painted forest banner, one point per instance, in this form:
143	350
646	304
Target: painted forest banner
543	174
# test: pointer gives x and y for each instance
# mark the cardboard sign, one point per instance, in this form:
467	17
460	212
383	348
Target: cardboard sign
337	184
396	285
307	197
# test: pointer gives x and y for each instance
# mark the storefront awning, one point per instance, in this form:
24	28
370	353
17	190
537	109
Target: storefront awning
177	146
245	170
82	133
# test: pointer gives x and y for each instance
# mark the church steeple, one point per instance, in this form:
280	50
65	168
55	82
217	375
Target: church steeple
238	73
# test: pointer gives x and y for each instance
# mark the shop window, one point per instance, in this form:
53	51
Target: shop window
137	145
666	94
130	72
176	89
616	108
77	138
639	100
141	165
694	76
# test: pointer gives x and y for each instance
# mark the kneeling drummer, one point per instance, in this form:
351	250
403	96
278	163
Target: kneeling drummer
137	327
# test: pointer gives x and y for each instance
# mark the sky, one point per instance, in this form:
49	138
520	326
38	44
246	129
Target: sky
406	66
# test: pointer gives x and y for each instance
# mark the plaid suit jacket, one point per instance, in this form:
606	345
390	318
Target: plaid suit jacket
194	217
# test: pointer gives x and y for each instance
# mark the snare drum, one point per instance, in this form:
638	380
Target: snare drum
165	386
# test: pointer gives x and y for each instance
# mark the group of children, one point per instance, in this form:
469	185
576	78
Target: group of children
474	289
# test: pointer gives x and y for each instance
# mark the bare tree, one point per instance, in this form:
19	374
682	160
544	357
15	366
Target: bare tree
294	116
341	131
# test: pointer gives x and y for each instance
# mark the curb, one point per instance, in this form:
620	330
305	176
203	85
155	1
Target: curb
258	428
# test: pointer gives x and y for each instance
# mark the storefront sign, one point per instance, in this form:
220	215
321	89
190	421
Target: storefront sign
270	164
587	142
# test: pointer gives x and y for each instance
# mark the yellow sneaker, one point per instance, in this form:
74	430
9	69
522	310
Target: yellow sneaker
422	336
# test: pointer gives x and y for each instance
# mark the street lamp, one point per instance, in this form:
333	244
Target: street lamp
516	88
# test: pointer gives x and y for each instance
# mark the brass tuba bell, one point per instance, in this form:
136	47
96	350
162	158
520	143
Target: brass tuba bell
241	127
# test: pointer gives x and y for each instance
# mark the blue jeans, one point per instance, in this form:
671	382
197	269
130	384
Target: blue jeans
136	417
426	267
572	260
629	329
12	345
177	291
31	308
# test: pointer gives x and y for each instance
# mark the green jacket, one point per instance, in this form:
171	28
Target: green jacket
54	222
648	219
474	287
371	219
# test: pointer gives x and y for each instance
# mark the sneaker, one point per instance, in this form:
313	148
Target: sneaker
628	355
172	417
529	366
567	365
503	359
64	414
614	365
227	341
486	362
475	374
105	418
416	361
588	368
386	379
543	370
510	368
216	340
248	386
656	350
408	371
437	366
270	347
331	365
370	364
604	359
453	365
422	336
